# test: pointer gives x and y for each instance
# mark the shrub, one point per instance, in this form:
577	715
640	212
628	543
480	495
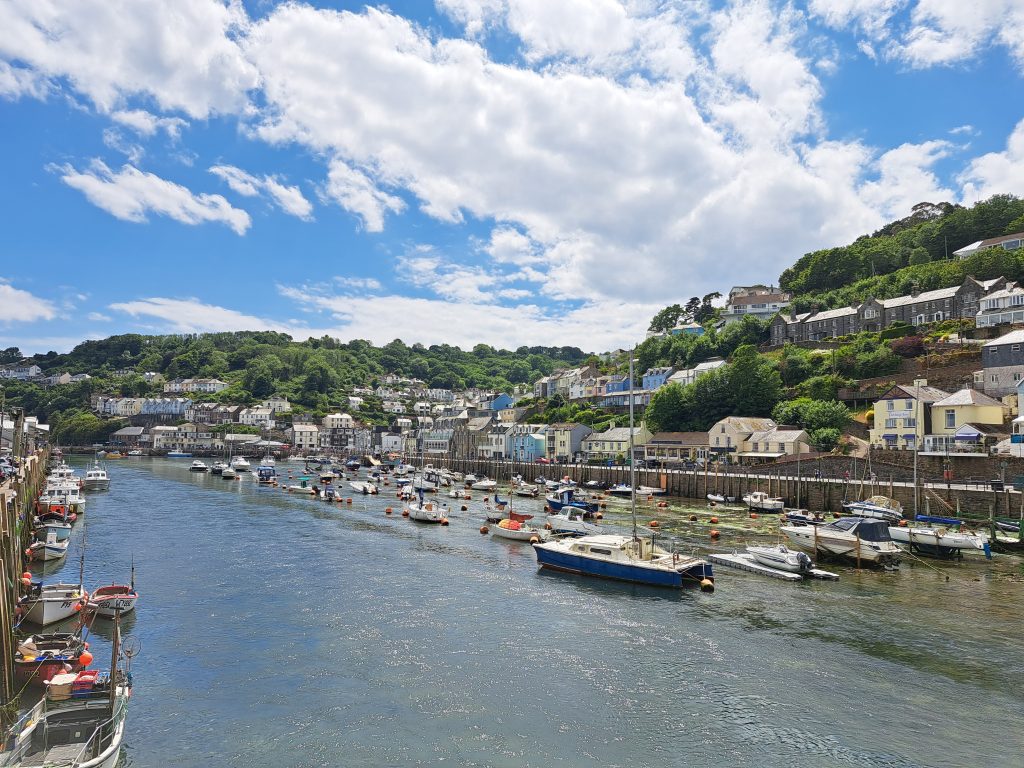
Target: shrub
908	346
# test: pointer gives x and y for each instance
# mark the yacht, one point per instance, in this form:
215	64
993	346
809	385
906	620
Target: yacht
239	464
198	466
859	538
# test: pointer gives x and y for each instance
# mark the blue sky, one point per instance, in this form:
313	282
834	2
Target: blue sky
501	171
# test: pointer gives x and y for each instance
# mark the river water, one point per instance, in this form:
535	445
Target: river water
278	630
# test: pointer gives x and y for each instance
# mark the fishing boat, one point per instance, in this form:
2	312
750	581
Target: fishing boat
353	463
39	657
96	478
936	542
46	525
198	466
858	538
572	522
363	487
50	548
47	603
759	501
516	527
266	475
566	497
424	512
877	507
626	558
218	467
782	558
239	464
79	723
484	484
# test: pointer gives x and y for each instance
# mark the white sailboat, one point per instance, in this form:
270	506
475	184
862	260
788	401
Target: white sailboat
424	511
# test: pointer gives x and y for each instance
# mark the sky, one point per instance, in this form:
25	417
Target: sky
507	172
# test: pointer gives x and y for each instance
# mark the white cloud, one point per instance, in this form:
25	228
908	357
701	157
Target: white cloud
905	179
996	172
194	316
16	82
182	54
288	199
475	15
510	246
98	317
358	283
131	194
114	139
148	124
356	193
19	306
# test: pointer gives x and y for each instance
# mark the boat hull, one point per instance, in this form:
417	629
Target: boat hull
634	573
53	605
523	534
804	536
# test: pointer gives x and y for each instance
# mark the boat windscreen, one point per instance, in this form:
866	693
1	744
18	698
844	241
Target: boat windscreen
874	530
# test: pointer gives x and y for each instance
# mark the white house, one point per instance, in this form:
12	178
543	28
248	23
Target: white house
337	421
277	404
304	437
20	372
257	417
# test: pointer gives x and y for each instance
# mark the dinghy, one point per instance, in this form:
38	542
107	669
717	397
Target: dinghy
782	558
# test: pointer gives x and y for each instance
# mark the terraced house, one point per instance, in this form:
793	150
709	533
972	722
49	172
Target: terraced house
955	303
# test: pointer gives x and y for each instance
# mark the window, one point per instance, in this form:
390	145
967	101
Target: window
910	404
870	314
890	405
950	418
1015	348
782	447
911	422
891	423
1016	377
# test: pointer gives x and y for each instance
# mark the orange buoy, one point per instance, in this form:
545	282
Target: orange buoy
26	575
26	580
713	521
598	516
903	523
753	515
715	533
693	518
603	505
444	521
650	498
387	511
348	501
483	529
405	513
85	658
654	524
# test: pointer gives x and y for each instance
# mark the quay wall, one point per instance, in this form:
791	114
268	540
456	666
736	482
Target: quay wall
825	492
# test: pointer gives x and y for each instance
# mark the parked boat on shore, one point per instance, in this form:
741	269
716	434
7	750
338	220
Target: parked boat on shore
877	507
759	501
858	538
782	558
937	542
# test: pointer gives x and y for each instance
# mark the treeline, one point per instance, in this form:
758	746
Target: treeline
923	242
316	375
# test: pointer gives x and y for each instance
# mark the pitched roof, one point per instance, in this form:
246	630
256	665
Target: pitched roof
924	393
681	438
1001	239
833	313
1013	337
902	301
968	397
777	435
1002	293
749	423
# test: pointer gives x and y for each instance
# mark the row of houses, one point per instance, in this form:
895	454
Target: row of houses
956	303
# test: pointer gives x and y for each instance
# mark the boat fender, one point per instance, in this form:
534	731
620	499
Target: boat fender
483	529
534	540
598	516
405	513
653	524
387	511
444	521
753	515
707	585
713	521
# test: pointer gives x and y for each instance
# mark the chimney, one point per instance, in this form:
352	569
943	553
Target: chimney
792	312
915	290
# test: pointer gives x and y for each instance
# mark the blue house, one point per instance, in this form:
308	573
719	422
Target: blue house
501	402
617	384
688	329
528	446
656	377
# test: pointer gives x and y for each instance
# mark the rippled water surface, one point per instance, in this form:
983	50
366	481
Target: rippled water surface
277	630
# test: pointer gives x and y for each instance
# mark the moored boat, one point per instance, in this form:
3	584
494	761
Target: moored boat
571	521
228	473
363	487
50	548
105	602
198	466
937	542
566	497
877	507
759	501
857	538
47	603
620	489
39	657
782	558
240	464
218	467
516	527
96	478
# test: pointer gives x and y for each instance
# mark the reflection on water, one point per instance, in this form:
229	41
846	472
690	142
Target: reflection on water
279	630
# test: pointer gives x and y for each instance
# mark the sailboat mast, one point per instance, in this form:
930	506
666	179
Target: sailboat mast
632	468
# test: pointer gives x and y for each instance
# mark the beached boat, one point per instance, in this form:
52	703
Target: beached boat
782	558
363	487
47	603
877	507
96	478
649	490
50	548
858	538
801	517
198	466
937	542
718	498
620	489
759	501
484	484
566	497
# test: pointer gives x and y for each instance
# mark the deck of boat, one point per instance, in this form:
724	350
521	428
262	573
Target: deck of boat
747	563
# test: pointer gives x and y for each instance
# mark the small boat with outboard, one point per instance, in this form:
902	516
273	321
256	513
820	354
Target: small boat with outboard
516	527
782	558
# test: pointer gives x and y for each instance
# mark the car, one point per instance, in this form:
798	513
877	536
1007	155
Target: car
542	460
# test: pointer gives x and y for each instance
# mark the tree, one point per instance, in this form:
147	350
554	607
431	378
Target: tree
259	378
812	415
706	310
669	409
319	377
825	439
666	319
755	384
10	355
919	256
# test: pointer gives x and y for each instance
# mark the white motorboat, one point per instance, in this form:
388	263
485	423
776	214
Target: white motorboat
44	528
759	501
198	466
525	489
516	527
855	537
484	484
47	603
469	478
570	520
268	461
782	558
218	467
363	487
239	464
135	452
877	507
96	478
425	512
718	498
620	489
50	548
936	541
428	480
228	473
649	490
